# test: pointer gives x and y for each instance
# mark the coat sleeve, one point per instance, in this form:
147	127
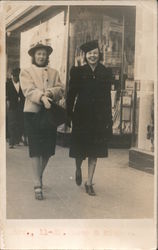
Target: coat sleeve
72	91
109	106
58	89
28	87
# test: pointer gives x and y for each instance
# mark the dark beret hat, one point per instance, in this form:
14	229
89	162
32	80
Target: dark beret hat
88	46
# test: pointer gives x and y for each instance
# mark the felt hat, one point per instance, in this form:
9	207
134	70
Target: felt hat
39	45
38	41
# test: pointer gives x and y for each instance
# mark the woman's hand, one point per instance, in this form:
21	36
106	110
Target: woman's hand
48	93
46	101
55	94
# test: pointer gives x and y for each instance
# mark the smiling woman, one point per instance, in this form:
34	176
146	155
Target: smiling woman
40	54
92	52
40	84
92	118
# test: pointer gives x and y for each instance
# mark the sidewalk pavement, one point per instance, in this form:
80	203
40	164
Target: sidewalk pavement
122	192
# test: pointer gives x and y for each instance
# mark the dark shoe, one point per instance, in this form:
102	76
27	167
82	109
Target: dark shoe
38	193
90	189
11	146
78	176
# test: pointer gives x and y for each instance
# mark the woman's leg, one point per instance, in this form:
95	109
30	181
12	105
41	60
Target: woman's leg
91	168
78	171
43	160
78	162
37	169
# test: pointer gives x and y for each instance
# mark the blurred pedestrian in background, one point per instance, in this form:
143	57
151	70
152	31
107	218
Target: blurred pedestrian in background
15	105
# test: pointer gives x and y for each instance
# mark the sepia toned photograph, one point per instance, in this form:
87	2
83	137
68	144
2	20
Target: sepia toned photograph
79	117
79	90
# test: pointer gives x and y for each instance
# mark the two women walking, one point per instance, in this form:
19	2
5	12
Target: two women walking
88	110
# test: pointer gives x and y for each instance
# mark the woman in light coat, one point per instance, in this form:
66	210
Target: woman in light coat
40	85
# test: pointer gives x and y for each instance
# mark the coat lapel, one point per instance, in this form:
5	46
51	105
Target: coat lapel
13	88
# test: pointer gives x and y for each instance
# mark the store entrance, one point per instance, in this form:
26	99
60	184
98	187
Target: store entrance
114	28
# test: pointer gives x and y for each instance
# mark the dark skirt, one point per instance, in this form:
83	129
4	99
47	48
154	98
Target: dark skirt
42	142
88	143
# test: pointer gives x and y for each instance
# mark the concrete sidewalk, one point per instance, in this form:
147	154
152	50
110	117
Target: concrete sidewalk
122	192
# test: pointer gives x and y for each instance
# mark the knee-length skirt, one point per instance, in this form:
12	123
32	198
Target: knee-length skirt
42	142
86	143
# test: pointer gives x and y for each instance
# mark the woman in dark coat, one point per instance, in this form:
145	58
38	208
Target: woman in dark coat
40	85
89	109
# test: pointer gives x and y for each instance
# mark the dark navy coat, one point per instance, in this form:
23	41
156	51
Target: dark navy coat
89	108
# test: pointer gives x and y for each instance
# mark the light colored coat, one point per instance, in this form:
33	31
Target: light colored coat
35	81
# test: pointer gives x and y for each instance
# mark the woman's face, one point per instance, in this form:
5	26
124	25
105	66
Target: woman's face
92	56
40	57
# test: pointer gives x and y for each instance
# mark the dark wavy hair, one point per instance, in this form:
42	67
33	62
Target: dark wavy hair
34	62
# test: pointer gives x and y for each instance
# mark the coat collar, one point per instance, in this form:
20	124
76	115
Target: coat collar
89	69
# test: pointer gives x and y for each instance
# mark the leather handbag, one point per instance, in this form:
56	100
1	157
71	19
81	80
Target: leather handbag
53	117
